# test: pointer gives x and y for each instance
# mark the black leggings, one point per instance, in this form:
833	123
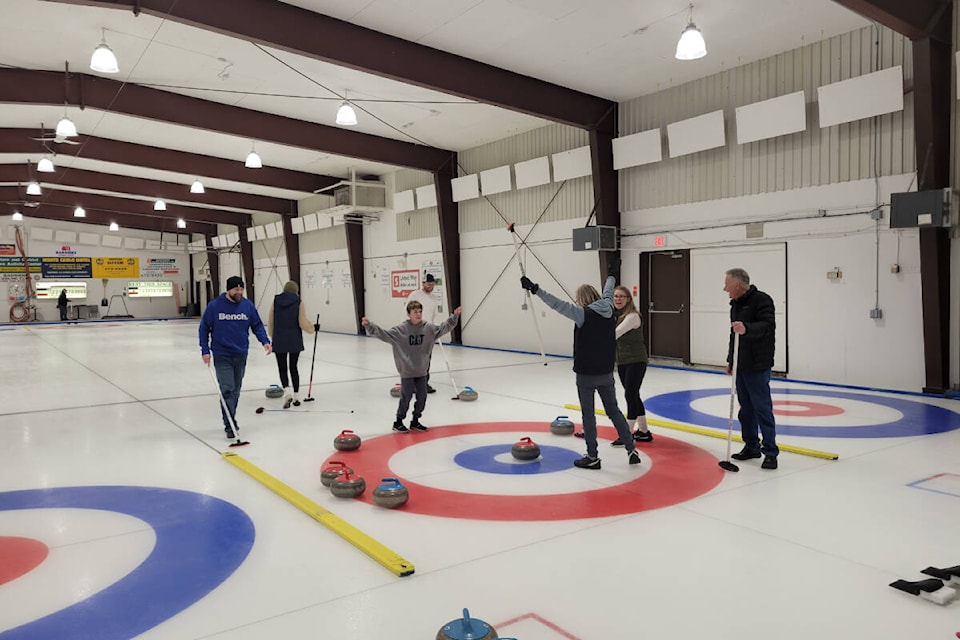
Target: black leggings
631	377
294	374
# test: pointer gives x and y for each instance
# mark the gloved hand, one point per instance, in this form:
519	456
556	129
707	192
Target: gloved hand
613	266
316	326
529	284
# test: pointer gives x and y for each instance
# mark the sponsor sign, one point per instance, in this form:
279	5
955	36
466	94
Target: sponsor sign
66	267
116	268
404	282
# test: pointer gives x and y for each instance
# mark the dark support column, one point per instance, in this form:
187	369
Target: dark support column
354	233
449	215
932	62
246	262
214	261
291	243
605	192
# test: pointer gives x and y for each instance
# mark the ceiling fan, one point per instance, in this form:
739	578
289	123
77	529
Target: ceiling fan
52	137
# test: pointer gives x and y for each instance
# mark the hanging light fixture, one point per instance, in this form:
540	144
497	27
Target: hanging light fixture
17	216
181	223
114	226
159	205
103	58
691	45
253	160
346	116
79	212
33	188
45	165
66	128
197	186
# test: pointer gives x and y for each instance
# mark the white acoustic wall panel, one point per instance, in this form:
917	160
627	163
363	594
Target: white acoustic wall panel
696	134
89	238
637	149
770	118
495	180
296	225
41	233
261	232
465	188
403	201
233	238
153	245
532	173
310	222
271	230
133	243
112	241
426	197
873	94
572	164
215	241
251	234
62	235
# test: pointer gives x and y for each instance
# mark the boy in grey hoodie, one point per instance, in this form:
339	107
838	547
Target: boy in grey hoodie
412	342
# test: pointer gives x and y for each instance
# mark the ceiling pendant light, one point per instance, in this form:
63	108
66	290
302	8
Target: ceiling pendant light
114	226
346	116
103	58
79	212
253	160
197	186
181	224
33	188
691	45
17	216
159	205
45	165
66	128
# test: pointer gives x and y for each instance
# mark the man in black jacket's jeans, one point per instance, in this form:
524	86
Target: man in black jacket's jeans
752	316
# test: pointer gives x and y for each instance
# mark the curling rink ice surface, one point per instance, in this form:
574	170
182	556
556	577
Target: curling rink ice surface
119	518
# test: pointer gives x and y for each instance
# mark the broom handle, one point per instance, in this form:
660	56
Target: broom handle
313	358
733	389
523	272
223	401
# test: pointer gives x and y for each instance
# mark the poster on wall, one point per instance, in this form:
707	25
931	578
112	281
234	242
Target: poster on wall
403	282
156	268
434	268
116	268
11	268
326	277
8	250
66	267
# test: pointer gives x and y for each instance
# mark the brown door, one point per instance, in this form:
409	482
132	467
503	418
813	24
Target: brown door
665	303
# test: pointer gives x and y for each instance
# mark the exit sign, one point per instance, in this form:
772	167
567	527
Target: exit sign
660	241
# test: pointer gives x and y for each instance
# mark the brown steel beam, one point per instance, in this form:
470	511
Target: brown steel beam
138	155
51	195
916	19
606	196
289	28
354	233
21	86
168	191
291	244
101	218
246	263
449	217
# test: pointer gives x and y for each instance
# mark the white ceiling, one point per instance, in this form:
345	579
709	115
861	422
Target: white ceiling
615	49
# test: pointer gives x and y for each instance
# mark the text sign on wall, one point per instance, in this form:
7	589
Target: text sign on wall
151	289
47	290
66	267
404	282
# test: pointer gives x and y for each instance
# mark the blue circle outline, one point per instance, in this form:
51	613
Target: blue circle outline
917	419
200	542
483	459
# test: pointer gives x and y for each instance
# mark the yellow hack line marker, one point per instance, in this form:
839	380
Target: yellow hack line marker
826	455
389	559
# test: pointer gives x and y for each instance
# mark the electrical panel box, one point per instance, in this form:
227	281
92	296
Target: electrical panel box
598	238
930	208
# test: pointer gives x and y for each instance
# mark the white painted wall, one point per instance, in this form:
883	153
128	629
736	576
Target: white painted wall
333	303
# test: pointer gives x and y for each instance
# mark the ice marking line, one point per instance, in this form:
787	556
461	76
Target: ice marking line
543	621
826	455
379	552
947	484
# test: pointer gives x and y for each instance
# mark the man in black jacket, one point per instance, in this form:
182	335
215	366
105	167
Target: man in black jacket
752	317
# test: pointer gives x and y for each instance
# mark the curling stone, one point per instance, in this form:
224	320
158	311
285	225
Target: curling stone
274	391
562	426
332	471
349	441
395	391
466	628
348	485
391	494
525	449
468	394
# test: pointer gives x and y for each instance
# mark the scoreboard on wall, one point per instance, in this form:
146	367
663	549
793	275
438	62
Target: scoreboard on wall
50	290
150	289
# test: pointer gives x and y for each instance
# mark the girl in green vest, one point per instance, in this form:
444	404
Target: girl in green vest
631	363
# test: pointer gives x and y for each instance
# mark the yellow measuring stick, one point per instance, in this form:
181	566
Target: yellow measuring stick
389	559
826	455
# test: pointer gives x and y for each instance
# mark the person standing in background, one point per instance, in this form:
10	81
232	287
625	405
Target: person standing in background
62	304
631	362
424	296
753	317
224	332
286	322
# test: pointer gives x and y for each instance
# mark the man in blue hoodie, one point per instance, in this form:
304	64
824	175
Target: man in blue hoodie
224	331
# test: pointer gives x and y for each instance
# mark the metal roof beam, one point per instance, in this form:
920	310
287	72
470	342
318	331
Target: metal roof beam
917	19
104	218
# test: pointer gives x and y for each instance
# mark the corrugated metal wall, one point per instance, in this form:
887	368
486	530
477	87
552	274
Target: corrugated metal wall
809	158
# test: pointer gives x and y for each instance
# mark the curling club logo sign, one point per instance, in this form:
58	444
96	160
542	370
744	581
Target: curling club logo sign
65	250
